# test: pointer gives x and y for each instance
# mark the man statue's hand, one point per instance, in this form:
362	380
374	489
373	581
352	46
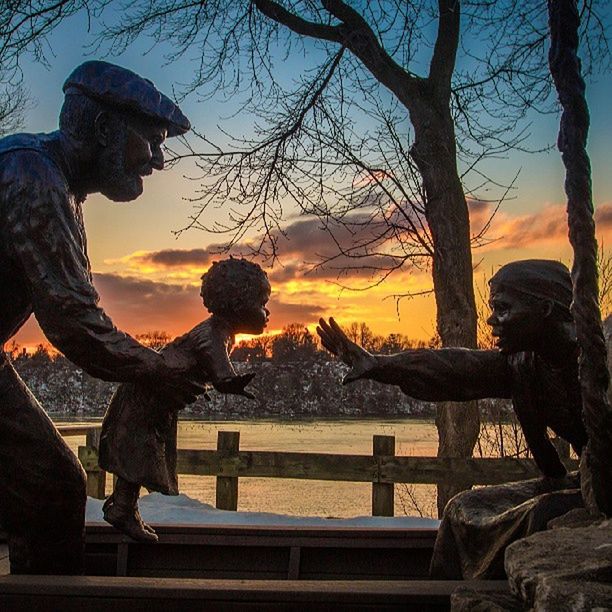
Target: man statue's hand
235	385
337	342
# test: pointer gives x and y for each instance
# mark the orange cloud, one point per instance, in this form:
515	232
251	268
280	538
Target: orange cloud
138	305
156	292
305	243
150	290
544	227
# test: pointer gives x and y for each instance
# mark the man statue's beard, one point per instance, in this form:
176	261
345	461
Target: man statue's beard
119	183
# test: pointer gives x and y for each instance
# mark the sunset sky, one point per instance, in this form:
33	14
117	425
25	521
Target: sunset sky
148	278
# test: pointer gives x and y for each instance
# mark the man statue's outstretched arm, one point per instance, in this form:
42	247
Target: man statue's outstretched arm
48	246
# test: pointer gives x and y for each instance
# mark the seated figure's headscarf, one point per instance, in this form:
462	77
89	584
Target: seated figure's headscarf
538	278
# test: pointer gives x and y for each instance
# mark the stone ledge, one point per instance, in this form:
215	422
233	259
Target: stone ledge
563	568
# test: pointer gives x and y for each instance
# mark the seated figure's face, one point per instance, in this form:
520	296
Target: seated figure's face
516	319
133	152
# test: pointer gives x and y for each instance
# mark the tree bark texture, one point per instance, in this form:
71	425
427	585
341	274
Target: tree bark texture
594	376
434	153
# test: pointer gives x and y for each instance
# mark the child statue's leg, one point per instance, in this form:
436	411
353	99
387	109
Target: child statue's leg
121	511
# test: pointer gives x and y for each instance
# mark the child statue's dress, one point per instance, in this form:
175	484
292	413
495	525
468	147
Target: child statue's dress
138	441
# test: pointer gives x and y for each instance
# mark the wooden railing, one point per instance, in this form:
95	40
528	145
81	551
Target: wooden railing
383	468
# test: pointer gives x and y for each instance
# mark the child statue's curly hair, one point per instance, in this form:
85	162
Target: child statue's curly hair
231	284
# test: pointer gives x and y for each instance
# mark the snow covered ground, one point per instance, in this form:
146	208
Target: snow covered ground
183	510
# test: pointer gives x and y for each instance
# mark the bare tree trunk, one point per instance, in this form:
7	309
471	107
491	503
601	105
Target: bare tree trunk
434	151
447	216
596	467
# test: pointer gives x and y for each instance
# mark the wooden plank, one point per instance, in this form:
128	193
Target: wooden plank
415	545
186	534
229	464
77	430
266	464
266	553
96	477
293	571
168	595
138	588
93	604
364	563
359	468
436	470
265	556
382	492
240	561
349	468
228	444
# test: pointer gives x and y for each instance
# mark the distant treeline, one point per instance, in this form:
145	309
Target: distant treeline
295	378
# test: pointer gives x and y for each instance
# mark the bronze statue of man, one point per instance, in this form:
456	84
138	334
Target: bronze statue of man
112	126
536	366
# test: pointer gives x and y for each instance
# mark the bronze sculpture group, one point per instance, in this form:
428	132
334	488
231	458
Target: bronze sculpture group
112	126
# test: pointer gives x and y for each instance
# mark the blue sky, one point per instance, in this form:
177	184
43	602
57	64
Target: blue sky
118	233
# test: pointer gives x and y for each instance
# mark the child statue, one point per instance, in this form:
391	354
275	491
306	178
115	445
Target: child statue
138	441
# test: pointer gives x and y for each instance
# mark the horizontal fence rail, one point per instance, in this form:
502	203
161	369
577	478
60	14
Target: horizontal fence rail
383	468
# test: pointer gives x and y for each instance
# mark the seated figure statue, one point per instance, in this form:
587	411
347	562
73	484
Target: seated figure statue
536	365
138	440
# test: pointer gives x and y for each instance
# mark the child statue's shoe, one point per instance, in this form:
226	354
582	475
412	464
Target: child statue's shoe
126	518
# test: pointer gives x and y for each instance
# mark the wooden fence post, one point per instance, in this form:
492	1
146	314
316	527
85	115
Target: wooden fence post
382	492
88	455
228	444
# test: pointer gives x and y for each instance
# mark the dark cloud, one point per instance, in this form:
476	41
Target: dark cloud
306	241
480	212
303	244
478	205
179	257
341	269
282	313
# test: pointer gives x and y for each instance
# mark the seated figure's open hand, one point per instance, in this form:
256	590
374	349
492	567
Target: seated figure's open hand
337	342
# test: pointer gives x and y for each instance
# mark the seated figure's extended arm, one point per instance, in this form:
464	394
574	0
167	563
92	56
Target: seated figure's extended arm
47	244
455	374
427	374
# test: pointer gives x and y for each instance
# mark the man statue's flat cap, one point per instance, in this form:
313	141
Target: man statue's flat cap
121	88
